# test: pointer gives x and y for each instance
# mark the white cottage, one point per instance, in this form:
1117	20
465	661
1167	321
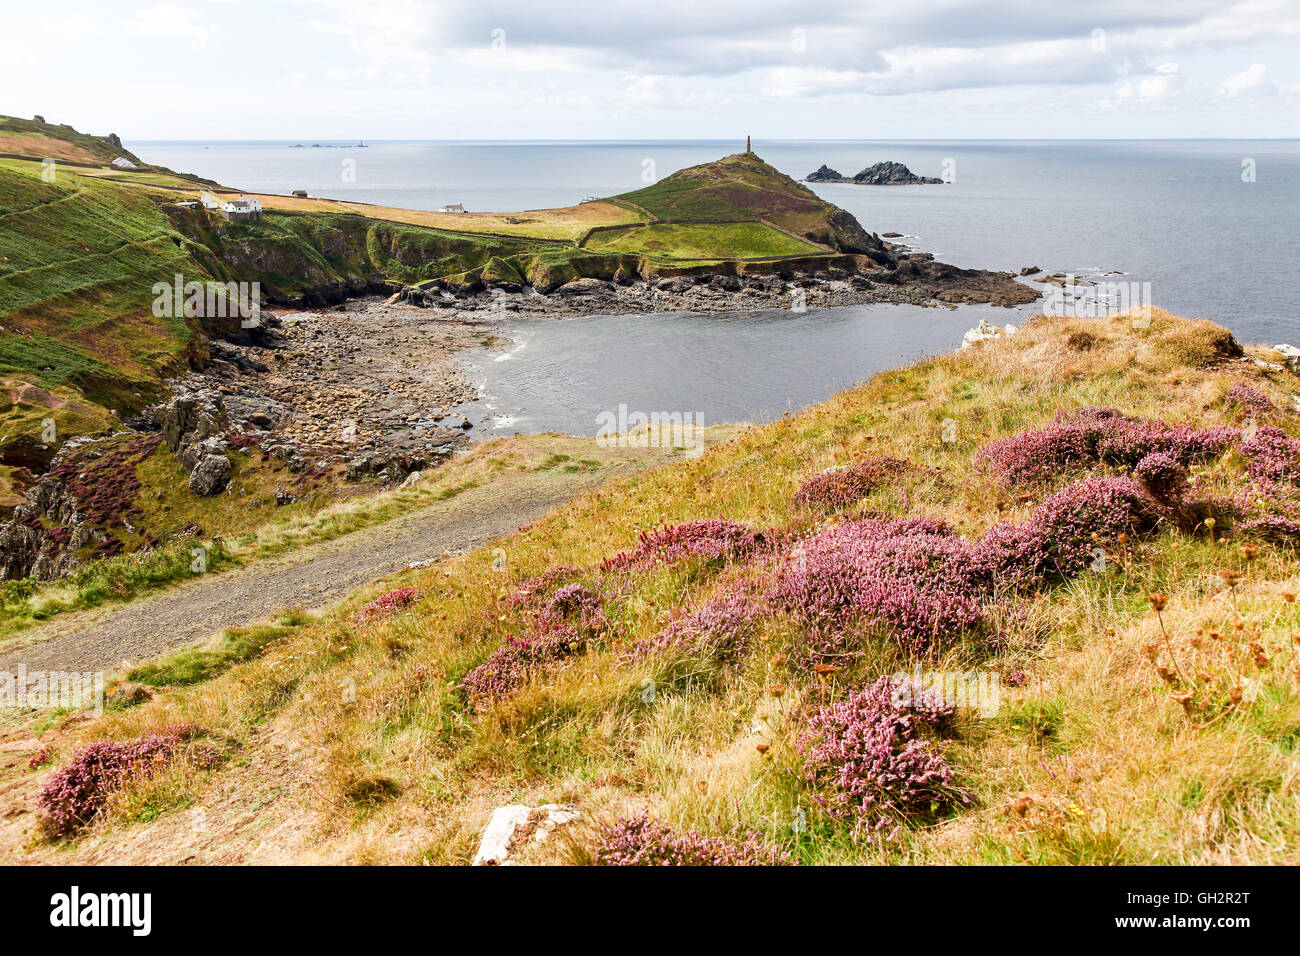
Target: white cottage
245	207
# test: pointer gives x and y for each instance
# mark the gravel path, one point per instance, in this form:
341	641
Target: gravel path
311	577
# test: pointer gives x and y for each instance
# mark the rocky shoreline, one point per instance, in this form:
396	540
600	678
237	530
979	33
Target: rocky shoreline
363	380
916	279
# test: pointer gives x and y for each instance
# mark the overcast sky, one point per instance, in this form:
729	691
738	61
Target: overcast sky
656	69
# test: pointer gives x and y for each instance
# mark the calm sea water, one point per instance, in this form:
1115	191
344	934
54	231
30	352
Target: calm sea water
749	366
1177	214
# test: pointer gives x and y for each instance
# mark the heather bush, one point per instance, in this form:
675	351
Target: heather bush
1246	401
576	604
837	488
387	604
1276	529
535	591
1097	436
76	793
511	664
723	626
912	578
1162	477
1271	457
642	841
711	539
1059	538
868	759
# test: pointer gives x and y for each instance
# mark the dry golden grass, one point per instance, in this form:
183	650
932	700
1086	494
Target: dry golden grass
1089	761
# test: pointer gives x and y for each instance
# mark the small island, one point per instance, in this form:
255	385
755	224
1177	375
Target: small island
881	174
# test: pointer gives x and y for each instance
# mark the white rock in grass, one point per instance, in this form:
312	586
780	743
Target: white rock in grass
503	830
986	331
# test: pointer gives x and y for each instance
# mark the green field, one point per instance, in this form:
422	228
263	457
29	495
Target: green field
677	241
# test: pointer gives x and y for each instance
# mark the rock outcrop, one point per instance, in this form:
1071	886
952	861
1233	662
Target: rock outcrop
46	530
881	174
986	332
193	428
513	828
824	174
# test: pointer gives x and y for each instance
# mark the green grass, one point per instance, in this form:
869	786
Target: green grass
192	665
696	241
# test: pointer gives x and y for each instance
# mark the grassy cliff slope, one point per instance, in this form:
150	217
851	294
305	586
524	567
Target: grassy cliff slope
1126	577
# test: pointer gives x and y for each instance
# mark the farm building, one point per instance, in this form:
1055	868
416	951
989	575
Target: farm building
243	208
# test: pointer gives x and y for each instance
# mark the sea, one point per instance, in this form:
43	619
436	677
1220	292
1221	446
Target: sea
1205	227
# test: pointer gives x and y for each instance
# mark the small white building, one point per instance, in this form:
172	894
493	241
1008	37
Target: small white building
245	207
209	201
123	163
452	207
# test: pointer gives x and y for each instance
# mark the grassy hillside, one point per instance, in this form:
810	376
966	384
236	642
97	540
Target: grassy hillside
1127	577
61	143
742	186
78	259
668	242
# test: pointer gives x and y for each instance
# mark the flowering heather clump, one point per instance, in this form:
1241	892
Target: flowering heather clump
1248	401
1272	457
914	578
539	587
708	538
1060	536
575	603
837	488
867	761
1162	476
641	841
1274	528
1097	435
511	664
76	793
724	625
387	604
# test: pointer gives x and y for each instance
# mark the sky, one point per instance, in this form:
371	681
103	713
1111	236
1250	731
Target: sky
656	69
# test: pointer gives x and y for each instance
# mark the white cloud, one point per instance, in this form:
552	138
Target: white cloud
1249	83
1154	89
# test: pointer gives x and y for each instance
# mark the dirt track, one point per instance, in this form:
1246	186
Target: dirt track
310	577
